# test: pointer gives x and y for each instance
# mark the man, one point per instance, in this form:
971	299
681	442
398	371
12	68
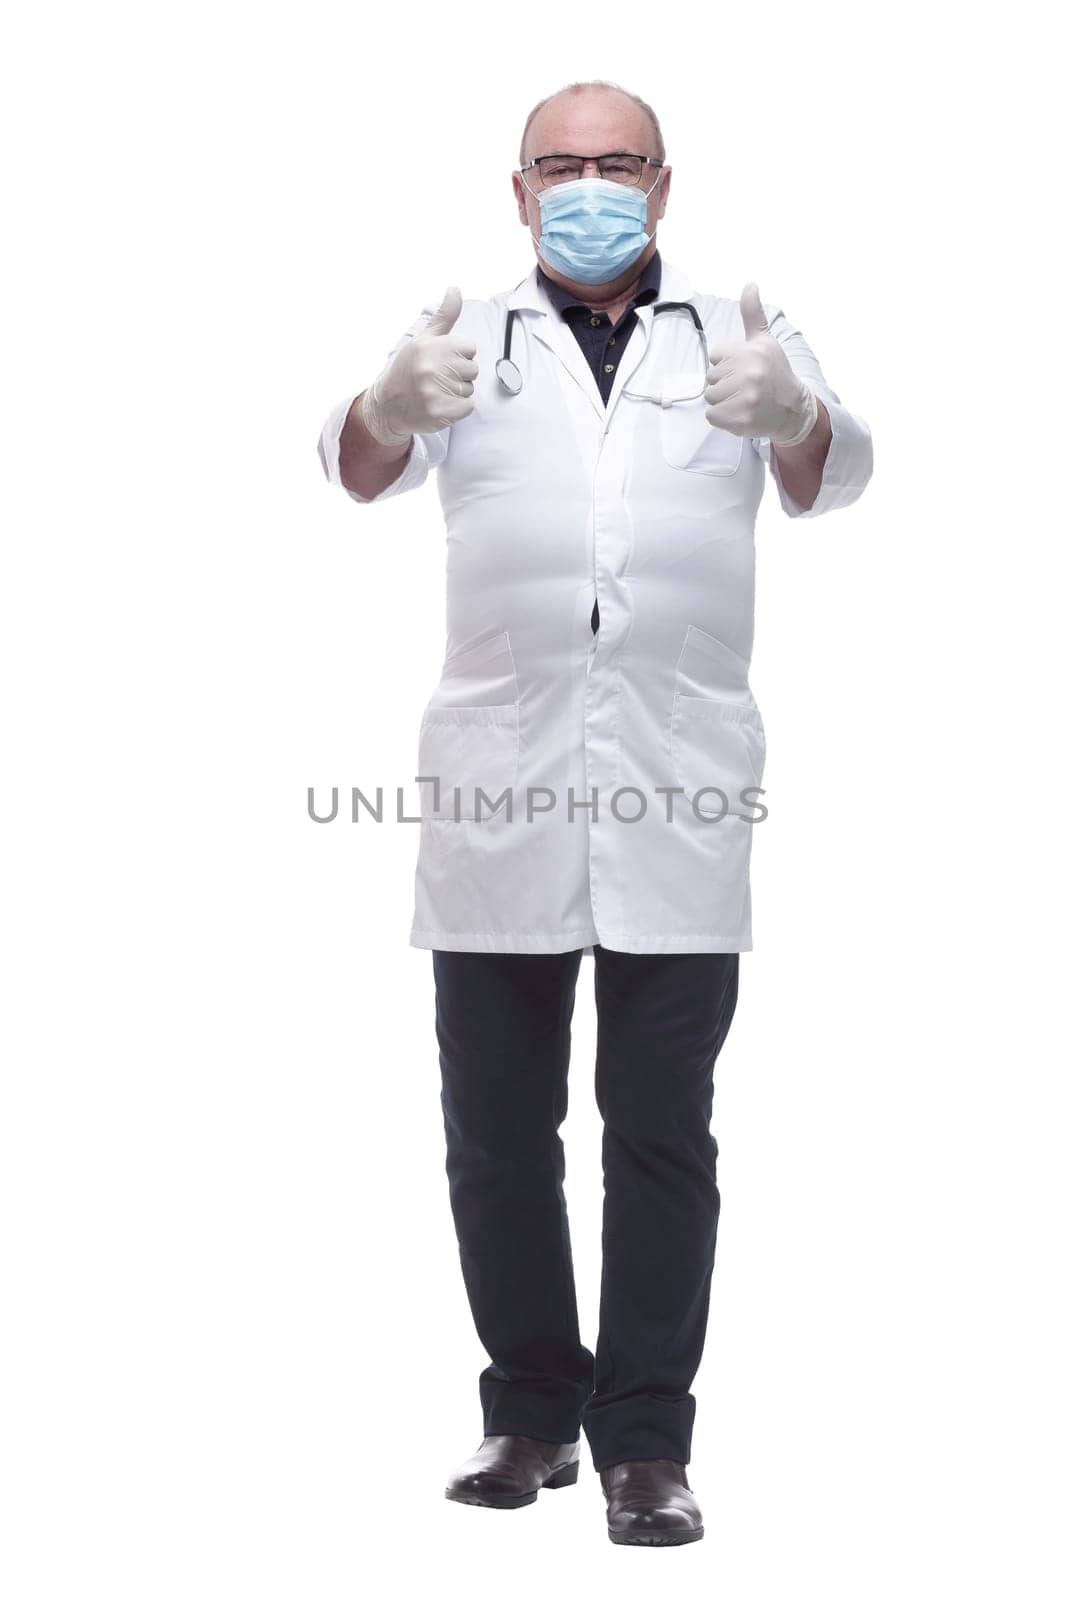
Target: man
599	470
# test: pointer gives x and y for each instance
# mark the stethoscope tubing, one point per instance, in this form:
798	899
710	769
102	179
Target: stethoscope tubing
511	378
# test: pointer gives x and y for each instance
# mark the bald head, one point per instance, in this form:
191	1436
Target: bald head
591	118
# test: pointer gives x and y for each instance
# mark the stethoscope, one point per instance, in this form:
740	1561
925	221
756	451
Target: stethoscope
511	378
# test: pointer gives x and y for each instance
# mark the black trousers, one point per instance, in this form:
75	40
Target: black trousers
504	1031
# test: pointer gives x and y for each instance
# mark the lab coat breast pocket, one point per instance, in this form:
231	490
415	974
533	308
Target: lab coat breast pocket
689	441
469	735
717	736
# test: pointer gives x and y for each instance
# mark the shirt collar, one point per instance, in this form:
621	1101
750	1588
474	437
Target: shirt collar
646	289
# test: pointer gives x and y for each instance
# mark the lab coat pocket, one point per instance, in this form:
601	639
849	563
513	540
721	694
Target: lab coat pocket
718	746
469	738
481	674
468	749
717	737
709	668
689	441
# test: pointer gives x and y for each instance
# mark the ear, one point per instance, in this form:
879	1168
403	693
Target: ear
663	189
521	196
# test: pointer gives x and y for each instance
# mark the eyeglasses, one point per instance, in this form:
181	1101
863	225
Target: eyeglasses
618	167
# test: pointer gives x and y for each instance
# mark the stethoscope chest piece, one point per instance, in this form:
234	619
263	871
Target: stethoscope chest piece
509	375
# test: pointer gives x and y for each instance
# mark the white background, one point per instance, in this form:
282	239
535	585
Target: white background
237	1355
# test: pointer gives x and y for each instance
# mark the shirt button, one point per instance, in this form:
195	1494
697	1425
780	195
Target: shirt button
594	322
612	339
609	367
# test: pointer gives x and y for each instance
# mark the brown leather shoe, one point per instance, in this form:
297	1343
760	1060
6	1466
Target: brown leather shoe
508	1469
650	1502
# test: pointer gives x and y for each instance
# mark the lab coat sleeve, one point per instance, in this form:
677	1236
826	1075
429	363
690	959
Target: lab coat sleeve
850	458
428	450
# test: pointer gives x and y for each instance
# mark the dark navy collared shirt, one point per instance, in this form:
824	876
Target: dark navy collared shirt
602	342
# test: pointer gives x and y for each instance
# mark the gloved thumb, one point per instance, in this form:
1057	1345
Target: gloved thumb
752	311
446	313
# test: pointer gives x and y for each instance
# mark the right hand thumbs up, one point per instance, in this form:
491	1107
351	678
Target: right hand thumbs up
444	317
428	384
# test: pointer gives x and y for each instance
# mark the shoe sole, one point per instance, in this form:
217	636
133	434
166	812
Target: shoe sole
560	1479
684	1536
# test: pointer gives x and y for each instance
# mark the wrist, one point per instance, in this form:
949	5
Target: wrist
372	415
809	416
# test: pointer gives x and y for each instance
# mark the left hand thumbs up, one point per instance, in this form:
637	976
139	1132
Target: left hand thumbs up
752	311
752	389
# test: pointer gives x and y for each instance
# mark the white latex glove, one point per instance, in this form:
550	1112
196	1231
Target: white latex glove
752	390
427	385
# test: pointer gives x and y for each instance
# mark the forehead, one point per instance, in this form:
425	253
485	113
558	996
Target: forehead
589	124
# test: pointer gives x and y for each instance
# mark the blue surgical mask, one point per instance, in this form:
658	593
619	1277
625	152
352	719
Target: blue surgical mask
592	229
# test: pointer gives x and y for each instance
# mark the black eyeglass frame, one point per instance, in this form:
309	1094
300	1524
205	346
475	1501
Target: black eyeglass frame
613	155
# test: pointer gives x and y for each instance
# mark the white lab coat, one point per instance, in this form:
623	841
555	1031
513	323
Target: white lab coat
551	500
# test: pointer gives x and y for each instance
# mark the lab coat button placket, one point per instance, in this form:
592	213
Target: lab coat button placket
595	704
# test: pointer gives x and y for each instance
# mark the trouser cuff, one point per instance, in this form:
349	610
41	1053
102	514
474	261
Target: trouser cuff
640	1427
